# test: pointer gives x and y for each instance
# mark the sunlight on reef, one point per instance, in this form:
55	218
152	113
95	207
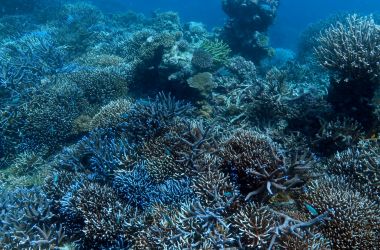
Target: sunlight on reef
126	131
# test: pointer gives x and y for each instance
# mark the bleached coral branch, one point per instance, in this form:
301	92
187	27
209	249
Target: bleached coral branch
351	48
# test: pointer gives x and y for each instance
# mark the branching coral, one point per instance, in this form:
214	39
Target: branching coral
151	173
260	227
101	85
149	118
351	48
27	221
255	163
138	188
106	218
253	224
308	38
197	225
45	119
360	164
26	61
191	146
354	220
159	159
76	21
338	135
135	186
215	190
102	152
218	49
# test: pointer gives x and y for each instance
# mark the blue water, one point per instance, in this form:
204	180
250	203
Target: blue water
293	15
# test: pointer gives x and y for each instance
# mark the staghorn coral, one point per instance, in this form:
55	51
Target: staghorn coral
173	192
139	190
214	189
24	63
192	145
354	219
150	118
106	219
27	221
253	224
338	135
360	165
159	159
314	242
255	163
102	152
261	227
135	186
239	79
151	174
351	48
289	227
309	37
197	225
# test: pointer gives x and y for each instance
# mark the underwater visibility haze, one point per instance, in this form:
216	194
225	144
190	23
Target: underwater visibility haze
220	124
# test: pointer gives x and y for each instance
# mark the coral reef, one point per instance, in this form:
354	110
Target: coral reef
360	165
338	135
218	50
27	221
351	49
245	30
256	163
123	131
354	221
203	82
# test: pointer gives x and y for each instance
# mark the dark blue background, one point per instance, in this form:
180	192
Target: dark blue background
293	17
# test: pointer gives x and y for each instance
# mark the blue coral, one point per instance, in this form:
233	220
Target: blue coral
27	221
102	152
137	187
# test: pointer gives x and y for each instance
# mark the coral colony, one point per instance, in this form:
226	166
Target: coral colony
124	131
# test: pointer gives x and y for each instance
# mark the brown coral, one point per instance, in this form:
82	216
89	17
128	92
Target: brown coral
355	220
255	162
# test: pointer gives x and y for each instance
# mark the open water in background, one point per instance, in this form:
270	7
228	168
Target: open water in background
293	16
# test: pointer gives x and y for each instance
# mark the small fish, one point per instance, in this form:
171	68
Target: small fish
228	194
167	152
311	209
56	178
